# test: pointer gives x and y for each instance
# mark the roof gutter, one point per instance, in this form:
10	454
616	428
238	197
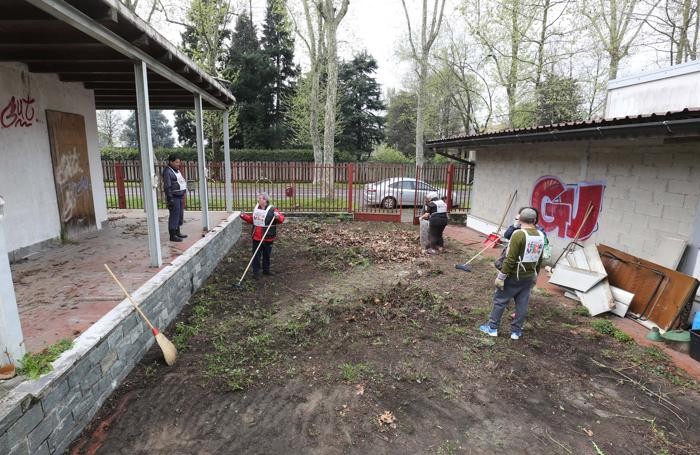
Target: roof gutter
666	128
76	18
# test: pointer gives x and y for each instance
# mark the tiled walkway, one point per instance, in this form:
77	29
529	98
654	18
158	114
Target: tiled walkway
63	290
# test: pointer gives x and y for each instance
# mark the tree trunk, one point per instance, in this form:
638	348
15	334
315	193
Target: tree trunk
329	118
420	106
314	108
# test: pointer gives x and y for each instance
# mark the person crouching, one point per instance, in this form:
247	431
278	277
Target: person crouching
436	214
264	216
517	276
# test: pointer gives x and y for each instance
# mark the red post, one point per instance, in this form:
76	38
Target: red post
119	180
450	180
350	171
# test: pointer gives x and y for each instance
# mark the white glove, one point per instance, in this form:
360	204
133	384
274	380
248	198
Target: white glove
500	280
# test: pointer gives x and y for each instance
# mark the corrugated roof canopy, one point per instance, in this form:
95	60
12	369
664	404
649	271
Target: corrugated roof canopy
97	42
669	124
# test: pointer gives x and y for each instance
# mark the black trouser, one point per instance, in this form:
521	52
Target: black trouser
435	236
264	251
176	211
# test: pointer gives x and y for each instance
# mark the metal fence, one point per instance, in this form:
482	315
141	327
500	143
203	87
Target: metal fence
360	188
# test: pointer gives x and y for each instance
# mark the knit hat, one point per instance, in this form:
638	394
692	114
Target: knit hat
432	195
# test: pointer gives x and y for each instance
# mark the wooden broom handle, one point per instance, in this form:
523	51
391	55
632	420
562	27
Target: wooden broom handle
505	213
589	210
130	299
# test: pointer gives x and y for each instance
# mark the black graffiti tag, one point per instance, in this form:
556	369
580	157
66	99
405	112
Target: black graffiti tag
18	112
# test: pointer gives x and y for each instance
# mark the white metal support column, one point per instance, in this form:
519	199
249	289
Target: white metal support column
11	338
147	168
202	167
227	163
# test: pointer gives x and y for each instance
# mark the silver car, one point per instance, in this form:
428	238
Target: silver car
396	191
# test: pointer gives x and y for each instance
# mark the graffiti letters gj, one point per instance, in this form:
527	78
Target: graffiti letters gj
18	112
563	206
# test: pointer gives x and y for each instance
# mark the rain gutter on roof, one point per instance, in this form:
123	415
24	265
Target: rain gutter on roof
72	16
666	127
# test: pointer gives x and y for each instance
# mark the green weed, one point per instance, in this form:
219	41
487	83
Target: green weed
606	327
352	372
35	365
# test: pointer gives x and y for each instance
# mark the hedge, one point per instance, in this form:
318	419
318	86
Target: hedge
189	154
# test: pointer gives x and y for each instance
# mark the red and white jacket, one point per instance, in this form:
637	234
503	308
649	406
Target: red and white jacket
261	219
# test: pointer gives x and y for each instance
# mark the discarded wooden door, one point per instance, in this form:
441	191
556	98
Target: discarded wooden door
660	294
71	170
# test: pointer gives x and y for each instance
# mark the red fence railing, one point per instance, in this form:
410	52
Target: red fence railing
301	186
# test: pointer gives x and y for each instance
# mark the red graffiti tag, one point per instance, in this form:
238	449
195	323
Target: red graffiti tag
18	112
562	207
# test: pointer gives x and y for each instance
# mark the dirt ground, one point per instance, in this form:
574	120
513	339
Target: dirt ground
361	344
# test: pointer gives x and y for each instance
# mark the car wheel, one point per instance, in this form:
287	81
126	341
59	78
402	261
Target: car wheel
389	202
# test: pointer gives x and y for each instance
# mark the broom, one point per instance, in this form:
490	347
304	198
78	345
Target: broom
169	350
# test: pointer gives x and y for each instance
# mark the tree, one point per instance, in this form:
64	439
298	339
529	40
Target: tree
251	75
278	44
677	21
314	41
559	100
360	104
616	24
204	40
421	53
401	122
332	17
109	126
161	131
184	125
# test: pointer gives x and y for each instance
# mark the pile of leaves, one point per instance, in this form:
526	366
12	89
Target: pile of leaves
357	245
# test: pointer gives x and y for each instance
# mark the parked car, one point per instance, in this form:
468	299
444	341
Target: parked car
390	193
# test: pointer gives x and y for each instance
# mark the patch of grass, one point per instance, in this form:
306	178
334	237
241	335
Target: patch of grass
456	330
606	327
581	310
447	448
352	372
183	333
35	365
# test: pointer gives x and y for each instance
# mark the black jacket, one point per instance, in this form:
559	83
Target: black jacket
170	185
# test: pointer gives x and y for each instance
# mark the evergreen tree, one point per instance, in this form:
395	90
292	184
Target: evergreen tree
186	131
251	74
161	131
360	104
401	122
278	44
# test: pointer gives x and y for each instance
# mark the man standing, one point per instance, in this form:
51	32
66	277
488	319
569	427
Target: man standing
264	218
175	187
518	275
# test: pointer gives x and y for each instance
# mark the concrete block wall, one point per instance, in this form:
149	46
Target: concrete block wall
44	416
651	190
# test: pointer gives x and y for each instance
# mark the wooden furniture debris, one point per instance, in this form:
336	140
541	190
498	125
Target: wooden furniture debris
660	294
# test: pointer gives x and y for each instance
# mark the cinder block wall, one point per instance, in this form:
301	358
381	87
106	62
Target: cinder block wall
44	416
651	190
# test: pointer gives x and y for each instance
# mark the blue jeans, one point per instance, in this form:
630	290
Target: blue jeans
264	251
519	290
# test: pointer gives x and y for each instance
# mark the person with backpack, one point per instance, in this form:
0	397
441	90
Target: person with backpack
517	275
436	214
175	188
264	216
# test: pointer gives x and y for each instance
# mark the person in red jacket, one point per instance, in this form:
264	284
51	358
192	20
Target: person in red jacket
263	215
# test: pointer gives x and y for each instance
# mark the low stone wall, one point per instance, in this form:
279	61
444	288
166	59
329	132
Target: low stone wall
45	415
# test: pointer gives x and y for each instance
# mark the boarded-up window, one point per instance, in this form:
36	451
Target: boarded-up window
71	169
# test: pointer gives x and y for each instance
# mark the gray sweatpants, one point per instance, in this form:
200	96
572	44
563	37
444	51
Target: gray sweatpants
519	290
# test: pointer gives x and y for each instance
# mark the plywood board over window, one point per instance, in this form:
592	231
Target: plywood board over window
71	170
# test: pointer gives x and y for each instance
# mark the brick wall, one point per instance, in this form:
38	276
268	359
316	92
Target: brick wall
45	415
652	190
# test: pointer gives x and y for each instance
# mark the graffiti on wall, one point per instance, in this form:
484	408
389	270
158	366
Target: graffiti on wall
563	206
18	112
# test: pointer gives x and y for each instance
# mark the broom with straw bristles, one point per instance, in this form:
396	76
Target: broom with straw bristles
169	350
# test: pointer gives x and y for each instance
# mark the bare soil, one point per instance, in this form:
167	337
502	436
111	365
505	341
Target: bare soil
360	344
